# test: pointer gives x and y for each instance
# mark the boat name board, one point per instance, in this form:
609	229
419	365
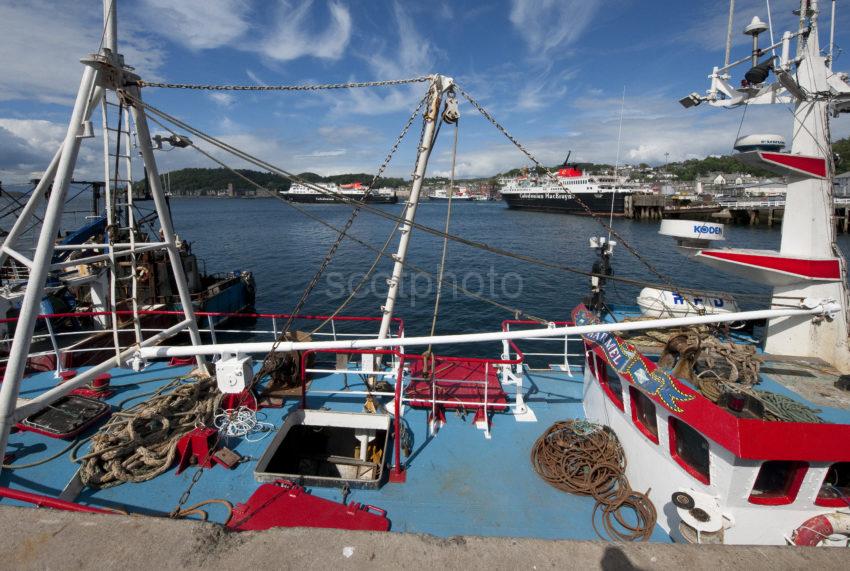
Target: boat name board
631	365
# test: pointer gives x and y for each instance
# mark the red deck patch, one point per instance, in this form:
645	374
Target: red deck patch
460	384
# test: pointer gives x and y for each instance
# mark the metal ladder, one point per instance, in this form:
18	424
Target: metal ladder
118	142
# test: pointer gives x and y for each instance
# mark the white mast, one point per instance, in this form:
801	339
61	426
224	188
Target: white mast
439	85
101	71
808	263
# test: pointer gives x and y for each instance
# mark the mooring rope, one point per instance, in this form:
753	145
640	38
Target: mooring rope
584	458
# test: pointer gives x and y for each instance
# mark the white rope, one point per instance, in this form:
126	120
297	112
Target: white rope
240	423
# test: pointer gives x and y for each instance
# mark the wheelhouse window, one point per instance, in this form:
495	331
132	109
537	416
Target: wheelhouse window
643	414
835	489
690	450
778	482
610	382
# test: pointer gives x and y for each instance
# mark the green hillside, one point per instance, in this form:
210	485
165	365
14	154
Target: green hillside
195	180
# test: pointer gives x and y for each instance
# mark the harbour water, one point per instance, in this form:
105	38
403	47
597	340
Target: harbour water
283	248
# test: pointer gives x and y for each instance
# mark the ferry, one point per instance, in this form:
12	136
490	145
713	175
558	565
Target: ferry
570	191
460	194
329	192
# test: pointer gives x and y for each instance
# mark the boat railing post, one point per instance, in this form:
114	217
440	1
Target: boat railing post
55	345
212	329
274	326
333	329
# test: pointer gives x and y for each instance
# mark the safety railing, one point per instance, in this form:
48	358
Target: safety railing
404	375
79	341
566	353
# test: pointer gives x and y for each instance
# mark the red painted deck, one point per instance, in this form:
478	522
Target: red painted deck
459	382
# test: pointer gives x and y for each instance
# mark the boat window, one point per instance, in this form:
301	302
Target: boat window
778	482
611	383
835	490
643	414
690	450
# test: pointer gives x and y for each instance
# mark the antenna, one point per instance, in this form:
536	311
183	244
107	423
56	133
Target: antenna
729	32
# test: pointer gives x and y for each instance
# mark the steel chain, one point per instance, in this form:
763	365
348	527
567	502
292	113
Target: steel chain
317	87
185	497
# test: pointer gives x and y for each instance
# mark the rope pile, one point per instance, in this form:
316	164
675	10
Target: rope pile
141	443
584	458
723	367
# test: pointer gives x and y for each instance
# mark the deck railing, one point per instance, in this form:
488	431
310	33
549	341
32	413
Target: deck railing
566	353
83	340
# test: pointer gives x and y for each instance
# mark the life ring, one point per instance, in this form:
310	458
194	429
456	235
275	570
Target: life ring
816	529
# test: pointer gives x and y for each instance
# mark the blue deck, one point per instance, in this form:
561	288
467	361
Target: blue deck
458	482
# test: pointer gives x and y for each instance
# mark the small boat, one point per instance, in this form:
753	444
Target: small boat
460	194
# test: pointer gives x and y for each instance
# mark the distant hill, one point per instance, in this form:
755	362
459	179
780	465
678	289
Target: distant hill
194	180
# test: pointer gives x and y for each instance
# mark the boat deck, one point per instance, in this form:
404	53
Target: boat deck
458	482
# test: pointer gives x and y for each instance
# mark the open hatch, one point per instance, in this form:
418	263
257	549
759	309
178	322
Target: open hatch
325	448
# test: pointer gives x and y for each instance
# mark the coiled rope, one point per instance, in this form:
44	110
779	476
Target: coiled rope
584	458
141	443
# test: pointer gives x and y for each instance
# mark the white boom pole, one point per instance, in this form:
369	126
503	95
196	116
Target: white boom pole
827	307
155	185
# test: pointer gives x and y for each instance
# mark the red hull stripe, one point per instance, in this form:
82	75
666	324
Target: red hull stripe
815	166
815	269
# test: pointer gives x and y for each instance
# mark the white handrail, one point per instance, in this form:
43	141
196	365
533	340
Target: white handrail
828	307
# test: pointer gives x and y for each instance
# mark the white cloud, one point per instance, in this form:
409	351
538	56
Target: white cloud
255	78
222	98
546	25
292	38
27	145
43	42
198	24
410	55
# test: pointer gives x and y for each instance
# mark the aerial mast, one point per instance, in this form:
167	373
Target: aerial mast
808	265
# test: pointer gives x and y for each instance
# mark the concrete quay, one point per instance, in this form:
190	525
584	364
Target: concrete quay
49	539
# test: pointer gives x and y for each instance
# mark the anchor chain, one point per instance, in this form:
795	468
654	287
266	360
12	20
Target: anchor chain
315	87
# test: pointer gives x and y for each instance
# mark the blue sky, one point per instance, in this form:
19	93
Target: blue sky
553	72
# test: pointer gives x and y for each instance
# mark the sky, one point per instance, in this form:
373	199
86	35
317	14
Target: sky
558	74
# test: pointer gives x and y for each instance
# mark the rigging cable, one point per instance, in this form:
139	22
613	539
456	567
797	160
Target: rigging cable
388	215
382	253
441	273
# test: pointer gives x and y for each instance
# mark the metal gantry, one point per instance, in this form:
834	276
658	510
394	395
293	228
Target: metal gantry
104	76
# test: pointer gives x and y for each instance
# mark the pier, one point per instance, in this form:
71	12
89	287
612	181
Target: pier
753	211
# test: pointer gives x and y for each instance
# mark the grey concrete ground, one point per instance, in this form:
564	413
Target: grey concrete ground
47	539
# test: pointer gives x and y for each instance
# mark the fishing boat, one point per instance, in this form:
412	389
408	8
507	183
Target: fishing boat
82	295
681	428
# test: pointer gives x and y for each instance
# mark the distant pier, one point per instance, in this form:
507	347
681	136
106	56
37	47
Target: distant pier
746	211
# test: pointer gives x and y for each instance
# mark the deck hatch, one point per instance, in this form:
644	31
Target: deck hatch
324	448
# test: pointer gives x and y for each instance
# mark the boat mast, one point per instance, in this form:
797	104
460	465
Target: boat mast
809	264
101	71
439	85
